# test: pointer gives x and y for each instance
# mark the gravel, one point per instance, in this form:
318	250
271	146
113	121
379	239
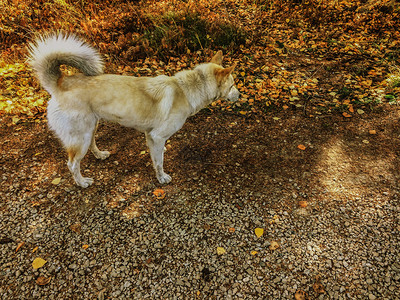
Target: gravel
118	241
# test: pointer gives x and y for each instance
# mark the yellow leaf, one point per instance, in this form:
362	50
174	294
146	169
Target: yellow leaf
38	263
85	247
34	249
56	181
221	250
142	152
253	252
259	232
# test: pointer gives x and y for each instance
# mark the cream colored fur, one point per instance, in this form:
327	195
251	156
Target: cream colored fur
157	106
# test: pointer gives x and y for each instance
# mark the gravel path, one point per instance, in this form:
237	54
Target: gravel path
330	214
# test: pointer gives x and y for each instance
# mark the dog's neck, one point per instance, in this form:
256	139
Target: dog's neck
199	91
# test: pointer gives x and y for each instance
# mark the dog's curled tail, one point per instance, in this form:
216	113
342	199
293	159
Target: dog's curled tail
48	52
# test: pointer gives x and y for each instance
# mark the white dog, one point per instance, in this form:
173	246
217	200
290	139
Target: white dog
157	106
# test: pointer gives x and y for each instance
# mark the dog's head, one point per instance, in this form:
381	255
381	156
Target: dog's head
224	78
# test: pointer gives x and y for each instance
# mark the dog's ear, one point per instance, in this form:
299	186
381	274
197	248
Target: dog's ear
222	74
217	58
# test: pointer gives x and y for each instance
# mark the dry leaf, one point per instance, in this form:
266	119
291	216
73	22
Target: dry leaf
41	280
372	131
231	230
301	147
274	245
303	204
221	250
318	288
253	252
300	295
19	246
56	181
159	193
346	115
38	263
85	246
259	232
34	249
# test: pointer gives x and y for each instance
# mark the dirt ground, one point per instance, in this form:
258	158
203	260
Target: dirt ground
218	152
347	175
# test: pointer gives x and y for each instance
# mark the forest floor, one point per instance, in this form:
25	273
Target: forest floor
291	193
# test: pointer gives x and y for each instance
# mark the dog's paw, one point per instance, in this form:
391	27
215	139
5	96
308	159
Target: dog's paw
164	178
85	182
102	154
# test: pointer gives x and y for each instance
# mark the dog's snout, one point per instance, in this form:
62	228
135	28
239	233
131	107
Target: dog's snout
234	95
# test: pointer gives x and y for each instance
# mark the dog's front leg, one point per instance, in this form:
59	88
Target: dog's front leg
156	145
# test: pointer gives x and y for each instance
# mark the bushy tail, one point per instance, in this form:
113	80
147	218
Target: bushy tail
48	52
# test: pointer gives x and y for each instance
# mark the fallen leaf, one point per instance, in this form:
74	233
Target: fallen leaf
372	131
231	230
259	232
38	263
285	107
34	249
56	181
360	111
41	280
85	246
274	245
303	204
142	152
159	193
300	295
276	118
318	288
19	246
301	147
253	252
221	250
346	115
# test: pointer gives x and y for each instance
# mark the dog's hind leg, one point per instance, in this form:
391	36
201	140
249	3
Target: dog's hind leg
93	147
75	155
156	146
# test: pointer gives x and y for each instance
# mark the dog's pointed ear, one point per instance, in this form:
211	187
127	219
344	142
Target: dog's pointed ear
222	74
217	58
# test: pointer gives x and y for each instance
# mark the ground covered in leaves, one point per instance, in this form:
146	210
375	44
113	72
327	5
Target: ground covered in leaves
290	193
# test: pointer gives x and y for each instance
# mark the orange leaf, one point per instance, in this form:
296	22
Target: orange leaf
231	230
346	115
19	246
301	147
303	204
159	193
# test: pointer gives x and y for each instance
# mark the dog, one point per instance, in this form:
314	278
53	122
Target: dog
157	106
